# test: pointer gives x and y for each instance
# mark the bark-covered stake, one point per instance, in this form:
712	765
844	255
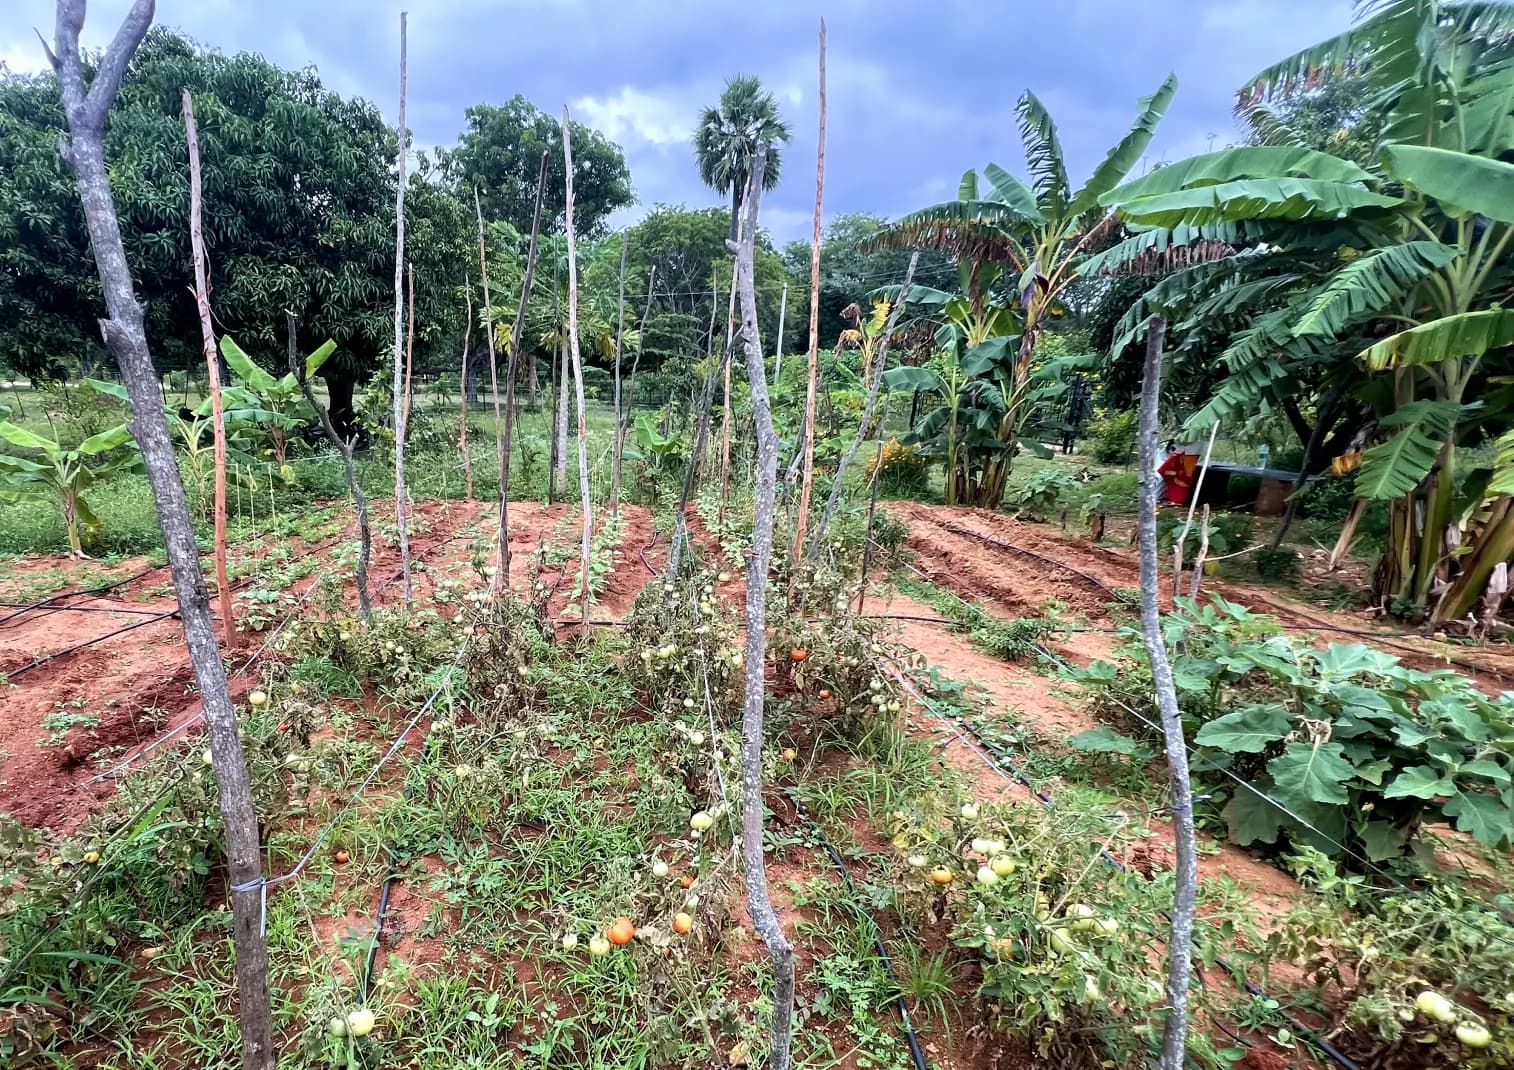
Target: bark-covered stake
400	504
462	383
1179	944
620	330
759	901
867	409
213	368
578	367
84	109
501	458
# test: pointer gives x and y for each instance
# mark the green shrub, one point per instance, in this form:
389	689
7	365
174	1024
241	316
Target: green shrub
1040	492
1113	437
1281	565
1228	532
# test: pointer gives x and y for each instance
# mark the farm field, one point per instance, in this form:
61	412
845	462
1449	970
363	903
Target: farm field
463	608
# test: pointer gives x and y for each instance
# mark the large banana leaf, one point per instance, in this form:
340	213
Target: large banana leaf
1128	152
1503	466
1006	188
246	367
1257	198
913	379
1161	248
1463	184
17	435
1231	165
1487	112
970	230
1043	155
1468	334
1383	44
114	390
105	441
1394	468
1369	285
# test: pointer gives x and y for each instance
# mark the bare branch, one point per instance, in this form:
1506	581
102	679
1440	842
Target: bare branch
112	68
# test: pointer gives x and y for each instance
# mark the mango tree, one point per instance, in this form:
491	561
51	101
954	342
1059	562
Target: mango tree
1018	248
61	475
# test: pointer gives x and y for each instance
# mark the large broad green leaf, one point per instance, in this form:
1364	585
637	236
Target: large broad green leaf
1483	817
1043	155
1232	165
1420	782
1503	466
1251	818
105	441
1311	772
1382	45
1130	149
17	435
319	357
1463	184
245	367
1383	841
1249	730
1254	199
967	189
970	230
1468	334
115	390
1102	740
994	357
1008	189
913	379
1369	285
1393	468
1163	247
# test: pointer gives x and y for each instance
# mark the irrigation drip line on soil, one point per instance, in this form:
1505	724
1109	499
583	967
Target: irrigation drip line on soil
981	749
901	1003
21	609
38	662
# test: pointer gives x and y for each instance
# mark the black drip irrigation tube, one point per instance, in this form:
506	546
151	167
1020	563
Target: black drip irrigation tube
900	1002
1312	1036
21	609
89	642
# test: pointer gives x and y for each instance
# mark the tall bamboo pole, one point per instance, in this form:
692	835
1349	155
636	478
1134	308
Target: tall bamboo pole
400	505
578	367
807	445
85	107
1185	891
213	368
620	328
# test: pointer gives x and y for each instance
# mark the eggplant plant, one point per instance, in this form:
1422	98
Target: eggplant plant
61	475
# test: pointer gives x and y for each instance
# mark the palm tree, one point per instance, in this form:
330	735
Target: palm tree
729	134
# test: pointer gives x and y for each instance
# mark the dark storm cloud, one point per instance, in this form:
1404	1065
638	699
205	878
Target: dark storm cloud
917	94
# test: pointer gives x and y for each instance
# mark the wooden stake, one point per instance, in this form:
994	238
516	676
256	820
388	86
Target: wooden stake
783	307
409	338
620	326
1193	500
85	107
641	341
400	506
759	899
1180	943
213	368
578	368
511	375
501	458
807	445
462	382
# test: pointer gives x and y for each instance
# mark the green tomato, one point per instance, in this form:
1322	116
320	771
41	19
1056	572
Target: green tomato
1435	1006
1472	1035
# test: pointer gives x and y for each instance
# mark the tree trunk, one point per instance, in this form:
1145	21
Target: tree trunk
759	900
85	112
213	368
511	375
340	386
1180	942
620	435
807	444
1323	419
401	517
867	410
725	405
586	548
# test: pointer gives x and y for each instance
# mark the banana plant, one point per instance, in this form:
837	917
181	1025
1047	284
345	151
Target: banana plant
1036	237
1393	279
61	476
273	398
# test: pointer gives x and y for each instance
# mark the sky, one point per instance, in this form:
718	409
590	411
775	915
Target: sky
916	94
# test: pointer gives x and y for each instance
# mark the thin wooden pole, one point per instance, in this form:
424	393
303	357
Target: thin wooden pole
578	368
641	341
1198	486
501	459
400	511
620	327
462	383
516	334
783	307
213	369
759	899
1180	943
409	339
725	403
807	445
85	107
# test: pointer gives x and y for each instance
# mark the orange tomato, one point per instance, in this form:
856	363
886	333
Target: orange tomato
799	654
622	932
342	856
941	875
825	693
682	923
686	881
